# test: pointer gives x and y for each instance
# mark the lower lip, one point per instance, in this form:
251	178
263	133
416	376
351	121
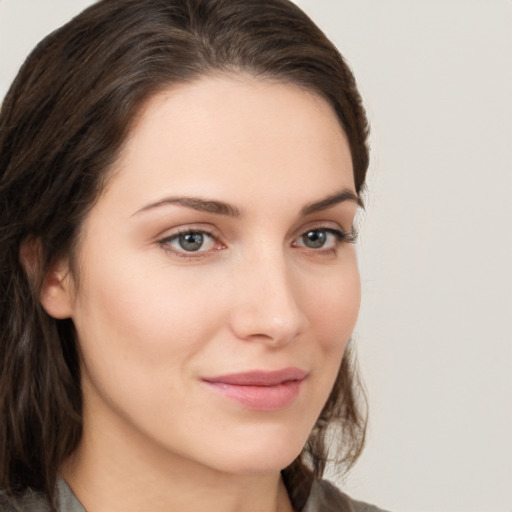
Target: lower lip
260	398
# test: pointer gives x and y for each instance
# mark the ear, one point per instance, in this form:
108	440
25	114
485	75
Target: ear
56	294
57	291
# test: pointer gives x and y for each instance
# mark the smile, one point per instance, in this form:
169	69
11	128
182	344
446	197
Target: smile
260	390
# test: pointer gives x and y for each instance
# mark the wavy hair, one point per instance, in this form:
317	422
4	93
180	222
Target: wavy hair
62	125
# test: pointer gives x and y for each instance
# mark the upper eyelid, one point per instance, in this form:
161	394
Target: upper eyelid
213	231
216	233
188	228
320	224
175	235
350	235
165	243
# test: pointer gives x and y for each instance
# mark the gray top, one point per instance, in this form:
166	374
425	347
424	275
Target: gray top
324	497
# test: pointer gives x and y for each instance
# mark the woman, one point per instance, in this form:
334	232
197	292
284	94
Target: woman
179	180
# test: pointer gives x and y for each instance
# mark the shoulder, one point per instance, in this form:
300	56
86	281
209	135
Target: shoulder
29	502
32	501
325	497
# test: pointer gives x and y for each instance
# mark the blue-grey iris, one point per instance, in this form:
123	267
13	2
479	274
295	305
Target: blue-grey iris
191	241
314	239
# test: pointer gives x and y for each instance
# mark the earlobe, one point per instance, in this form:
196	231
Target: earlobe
56	290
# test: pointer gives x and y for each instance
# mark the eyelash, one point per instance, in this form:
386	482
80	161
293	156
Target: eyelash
166	243
341	237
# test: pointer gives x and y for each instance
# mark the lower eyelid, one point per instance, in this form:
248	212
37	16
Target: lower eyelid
341	237
168	244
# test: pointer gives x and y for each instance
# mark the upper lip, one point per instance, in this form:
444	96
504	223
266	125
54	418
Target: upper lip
259	377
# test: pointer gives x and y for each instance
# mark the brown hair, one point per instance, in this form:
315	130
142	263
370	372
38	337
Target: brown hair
62	125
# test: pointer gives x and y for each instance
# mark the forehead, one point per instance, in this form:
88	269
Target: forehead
228	130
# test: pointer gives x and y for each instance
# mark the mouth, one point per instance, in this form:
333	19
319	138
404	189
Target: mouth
260	390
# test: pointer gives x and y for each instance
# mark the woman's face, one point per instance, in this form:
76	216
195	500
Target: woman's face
218	285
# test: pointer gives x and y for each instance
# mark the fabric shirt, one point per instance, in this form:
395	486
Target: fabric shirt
324	497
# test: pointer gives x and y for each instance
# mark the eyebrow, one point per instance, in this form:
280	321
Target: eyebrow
222	208
196	203
332	200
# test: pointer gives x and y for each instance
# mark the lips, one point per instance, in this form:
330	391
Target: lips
260	390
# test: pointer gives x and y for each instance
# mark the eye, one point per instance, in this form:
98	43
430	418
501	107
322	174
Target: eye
190	241
315	239
322	238
186	242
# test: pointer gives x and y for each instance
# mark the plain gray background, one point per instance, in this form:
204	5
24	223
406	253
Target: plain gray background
435	331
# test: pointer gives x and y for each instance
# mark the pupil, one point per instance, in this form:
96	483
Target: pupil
191	241
314	239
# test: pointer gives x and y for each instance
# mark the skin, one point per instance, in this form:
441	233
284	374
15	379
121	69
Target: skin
153	320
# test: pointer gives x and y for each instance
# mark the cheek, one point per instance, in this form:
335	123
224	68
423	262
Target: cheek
335	308
138	333
150	318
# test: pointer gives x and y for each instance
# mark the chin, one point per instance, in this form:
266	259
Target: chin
259	465
267	453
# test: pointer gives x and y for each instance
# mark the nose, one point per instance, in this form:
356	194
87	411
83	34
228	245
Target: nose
267	306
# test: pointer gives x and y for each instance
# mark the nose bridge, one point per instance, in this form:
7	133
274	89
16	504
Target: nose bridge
267	305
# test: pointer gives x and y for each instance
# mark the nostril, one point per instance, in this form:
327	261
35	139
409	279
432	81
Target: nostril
267	307
257	324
